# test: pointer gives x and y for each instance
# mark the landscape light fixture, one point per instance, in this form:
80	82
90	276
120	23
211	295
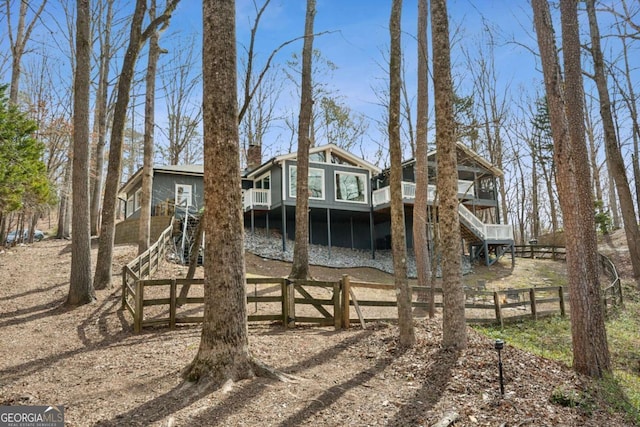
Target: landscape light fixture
499	345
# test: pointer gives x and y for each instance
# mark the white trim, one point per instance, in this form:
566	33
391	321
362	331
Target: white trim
365	189
129	206
357	161
292	195
137	200
190	192
261	178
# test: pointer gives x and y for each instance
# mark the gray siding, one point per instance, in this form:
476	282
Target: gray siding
329	201
164	188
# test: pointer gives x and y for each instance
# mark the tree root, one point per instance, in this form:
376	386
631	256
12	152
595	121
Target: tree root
264	371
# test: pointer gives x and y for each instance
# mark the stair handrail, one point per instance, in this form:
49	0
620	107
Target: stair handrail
473	221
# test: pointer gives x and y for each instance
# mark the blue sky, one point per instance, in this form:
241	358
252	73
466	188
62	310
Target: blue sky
356	41
357	35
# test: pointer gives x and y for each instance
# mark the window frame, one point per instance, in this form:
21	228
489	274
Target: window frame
365	189
184	186
292	194
137	200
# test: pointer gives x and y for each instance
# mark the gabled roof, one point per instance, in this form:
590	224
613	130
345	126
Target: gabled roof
330	147
169	169
469	152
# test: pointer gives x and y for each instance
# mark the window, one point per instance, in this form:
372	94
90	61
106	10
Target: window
318	157
264	182
129	206
351	187
137	199
183	195
336	159
316	182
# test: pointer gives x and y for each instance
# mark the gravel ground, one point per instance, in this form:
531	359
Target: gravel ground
260	244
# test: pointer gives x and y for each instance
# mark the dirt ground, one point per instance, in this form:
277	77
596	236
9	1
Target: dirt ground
89	360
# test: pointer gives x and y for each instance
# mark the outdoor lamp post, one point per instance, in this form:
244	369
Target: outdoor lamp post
499	345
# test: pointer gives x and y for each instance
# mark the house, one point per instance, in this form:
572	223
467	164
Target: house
339	197
480	220
349	199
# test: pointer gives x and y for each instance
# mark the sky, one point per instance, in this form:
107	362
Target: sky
353	35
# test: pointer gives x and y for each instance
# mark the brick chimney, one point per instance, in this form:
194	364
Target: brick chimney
254	156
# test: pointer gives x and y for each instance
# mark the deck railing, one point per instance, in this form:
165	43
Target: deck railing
256	197
466	189
485	231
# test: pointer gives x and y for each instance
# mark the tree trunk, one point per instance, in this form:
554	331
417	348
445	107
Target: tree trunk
590	352
102	278
100	123
144	230
300	266
224	348
81	288
612	148
398	233
65	202
420	218
454	325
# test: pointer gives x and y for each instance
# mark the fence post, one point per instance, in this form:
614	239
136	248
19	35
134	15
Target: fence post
124	286
346	284
496	302
532	300
285	303
563	312
139	314
619	282
337	312
172	304
291	303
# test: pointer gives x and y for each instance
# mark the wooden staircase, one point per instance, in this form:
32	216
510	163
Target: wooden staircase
485	241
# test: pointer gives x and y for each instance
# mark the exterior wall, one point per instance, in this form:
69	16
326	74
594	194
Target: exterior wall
329	201
164	189
127	230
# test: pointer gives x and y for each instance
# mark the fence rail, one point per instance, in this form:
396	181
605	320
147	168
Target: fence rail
156	302
143	266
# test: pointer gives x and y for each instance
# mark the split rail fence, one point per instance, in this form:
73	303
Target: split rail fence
157	302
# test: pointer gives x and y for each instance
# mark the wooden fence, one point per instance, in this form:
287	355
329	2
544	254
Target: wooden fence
556	253
156	302
143	266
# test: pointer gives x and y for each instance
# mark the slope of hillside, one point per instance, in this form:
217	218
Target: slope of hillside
89	360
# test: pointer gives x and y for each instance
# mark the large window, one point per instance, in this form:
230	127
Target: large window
351	187
316	182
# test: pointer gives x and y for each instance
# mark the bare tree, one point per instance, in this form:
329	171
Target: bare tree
224	348
590	352
398	233
454	326
19	39
104	38
81	289
300	265
630	98
612	147
179	85
137	38
144	230
420	218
